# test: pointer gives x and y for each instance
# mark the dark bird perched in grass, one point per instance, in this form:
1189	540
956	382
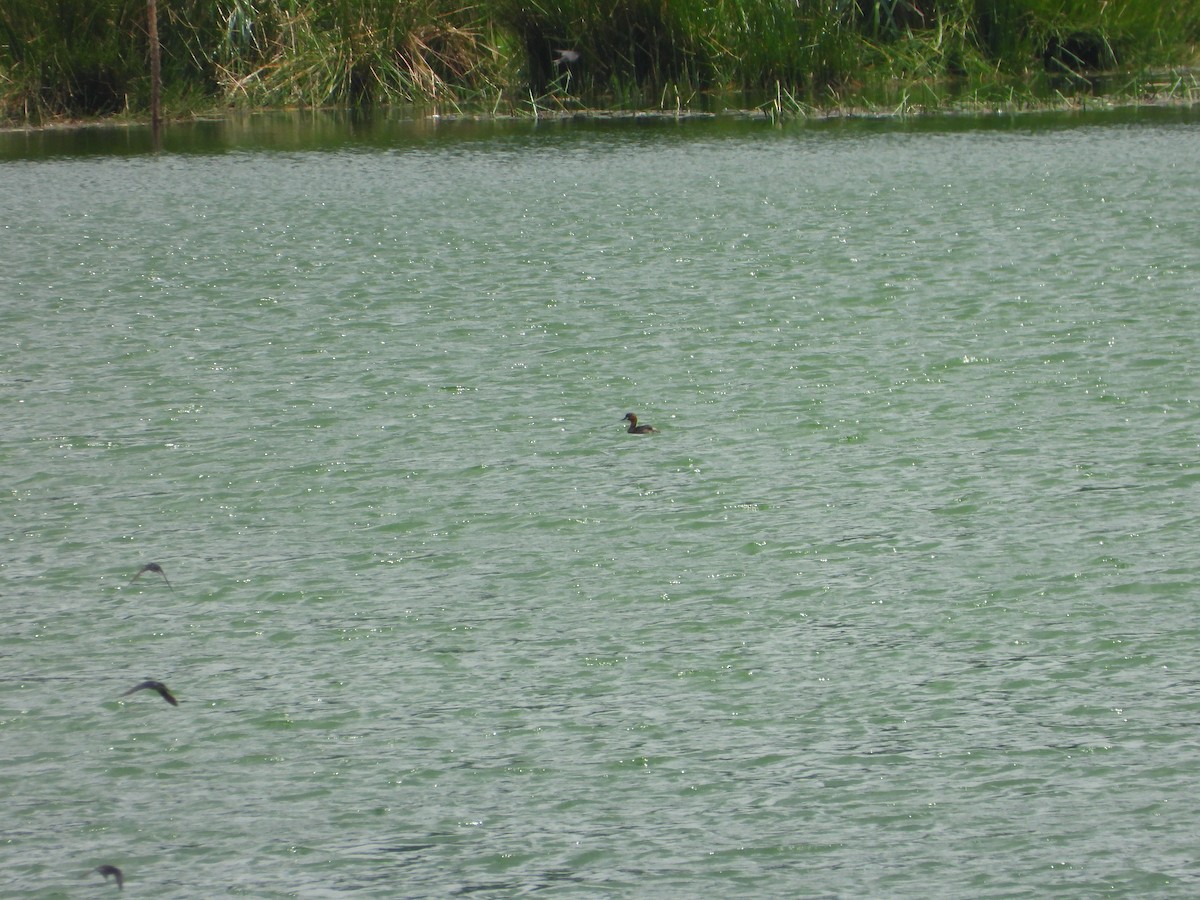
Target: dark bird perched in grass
114	872
153	686
635	428
151	567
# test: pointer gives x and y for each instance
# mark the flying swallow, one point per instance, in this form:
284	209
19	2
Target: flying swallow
151	567
153	686
114	872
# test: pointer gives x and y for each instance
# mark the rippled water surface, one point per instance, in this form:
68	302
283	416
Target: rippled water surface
900	602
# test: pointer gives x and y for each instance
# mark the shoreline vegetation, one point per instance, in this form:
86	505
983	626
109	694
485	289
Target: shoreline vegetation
75	61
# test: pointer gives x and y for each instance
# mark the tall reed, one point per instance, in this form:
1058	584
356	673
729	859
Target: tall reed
88	57
357	51
77	54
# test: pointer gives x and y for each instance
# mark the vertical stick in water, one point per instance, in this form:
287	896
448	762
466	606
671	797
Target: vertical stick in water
155	70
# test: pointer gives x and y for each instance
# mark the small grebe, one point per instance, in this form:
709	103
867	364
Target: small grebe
635	428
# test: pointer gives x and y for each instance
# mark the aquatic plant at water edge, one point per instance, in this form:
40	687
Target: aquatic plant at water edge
89	57
80	56
350	51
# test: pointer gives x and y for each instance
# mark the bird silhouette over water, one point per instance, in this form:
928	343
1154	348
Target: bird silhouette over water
635	428
152	567
114	872
153	686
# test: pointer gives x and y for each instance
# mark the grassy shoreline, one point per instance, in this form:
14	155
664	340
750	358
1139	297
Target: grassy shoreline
78	60
1179	89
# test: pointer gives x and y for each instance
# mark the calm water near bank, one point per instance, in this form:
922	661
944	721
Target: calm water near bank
900	602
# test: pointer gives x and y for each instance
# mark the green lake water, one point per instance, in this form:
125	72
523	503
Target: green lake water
899	602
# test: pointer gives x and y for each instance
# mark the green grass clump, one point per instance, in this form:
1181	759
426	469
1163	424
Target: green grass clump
76	55
286	52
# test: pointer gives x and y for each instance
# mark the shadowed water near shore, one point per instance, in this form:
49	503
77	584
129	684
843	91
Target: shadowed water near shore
327	130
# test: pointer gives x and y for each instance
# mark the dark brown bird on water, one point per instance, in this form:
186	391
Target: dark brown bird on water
153	686
114	872
635	428
152	567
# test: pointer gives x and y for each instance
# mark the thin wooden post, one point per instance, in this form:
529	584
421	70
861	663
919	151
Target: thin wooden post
155	69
